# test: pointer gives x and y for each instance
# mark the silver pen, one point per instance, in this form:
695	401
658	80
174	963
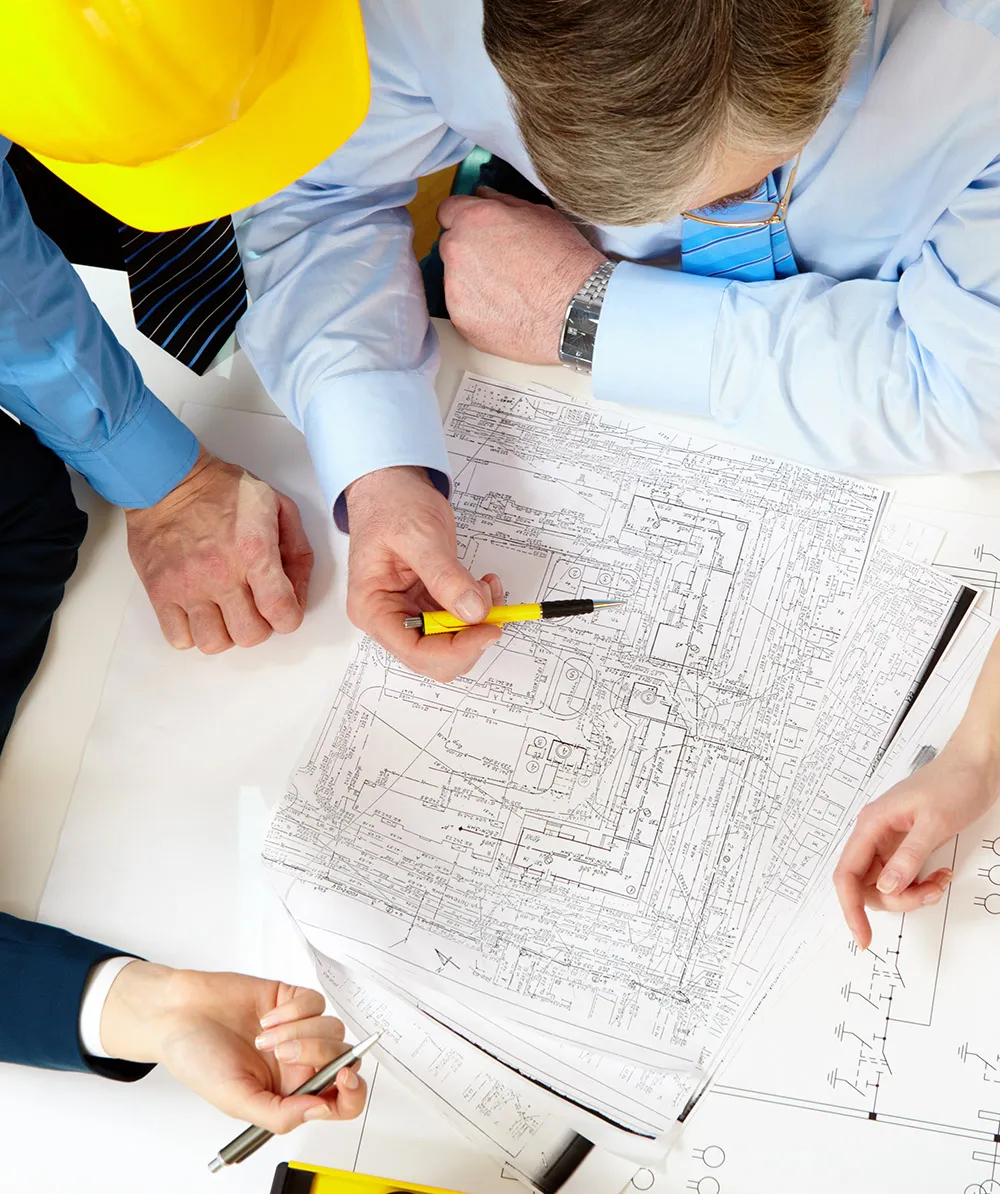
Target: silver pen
247	1143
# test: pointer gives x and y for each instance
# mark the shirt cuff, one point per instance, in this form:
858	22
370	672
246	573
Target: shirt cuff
146	458
363	422
95	993
655	338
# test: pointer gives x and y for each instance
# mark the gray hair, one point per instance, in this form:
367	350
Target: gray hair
624	105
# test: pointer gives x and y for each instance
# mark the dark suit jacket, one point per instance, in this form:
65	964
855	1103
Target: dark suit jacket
43	972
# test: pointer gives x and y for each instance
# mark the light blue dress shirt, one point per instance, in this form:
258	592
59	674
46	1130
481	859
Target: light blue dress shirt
63	373
881	355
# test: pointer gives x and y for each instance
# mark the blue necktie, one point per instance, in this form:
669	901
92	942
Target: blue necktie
744	254
187	288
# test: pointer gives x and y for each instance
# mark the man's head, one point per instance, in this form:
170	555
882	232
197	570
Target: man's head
635	110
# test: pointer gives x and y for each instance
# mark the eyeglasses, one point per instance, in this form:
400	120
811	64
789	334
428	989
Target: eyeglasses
771	213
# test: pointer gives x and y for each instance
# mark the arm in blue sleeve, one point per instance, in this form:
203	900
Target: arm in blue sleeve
43	974
867	375
63	373
338	329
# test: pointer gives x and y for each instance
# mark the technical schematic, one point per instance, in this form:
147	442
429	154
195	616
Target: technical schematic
575	832
881	1062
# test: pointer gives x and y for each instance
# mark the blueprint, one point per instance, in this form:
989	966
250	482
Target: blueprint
585	860
884	1062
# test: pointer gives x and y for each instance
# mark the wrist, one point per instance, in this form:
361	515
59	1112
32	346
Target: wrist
580	316
383	478
138	1012
192	480
976	748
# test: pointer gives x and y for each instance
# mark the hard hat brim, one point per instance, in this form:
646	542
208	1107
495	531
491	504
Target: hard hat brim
300	120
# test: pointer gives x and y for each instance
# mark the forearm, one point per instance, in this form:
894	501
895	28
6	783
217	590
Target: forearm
63	373
854	376
44	974
978	734
338	330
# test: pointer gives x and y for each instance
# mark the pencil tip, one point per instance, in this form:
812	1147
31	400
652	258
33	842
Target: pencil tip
605	604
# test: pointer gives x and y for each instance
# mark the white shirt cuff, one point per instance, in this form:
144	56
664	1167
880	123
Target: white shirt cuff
92	1005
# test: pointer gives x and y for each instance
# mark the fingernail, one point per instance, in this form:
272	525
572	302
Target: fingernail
888	882
288	1051
470	607
320	1111
266	1040
933	897
270	1019
349	1080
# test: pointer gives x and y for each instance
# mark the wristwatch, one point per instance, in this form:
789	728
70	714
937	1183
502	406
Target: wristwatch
580	325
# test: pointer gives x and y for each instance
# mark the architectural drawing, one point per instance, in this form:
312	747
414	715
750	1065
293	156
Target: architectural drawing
588	852
606	775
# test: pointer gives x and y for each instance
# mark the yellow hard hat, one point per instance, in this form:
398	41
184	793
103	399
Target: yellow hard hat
168	113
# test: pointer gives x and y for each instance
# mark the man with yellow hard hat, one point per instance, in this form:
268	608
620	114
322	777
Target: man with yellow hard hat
166	113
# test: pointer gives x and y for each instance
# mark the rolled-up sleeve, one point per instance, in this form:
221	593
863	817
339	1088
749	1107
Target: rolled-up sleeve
64	374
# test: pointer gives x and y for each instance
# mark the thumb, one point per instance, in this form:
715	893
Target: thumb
904	866
435	562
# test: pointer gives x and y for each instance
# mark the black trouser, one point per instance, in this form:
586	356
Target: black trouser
40	531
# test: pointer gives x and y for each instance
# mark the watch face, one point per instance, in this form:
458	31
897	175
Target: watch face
580	333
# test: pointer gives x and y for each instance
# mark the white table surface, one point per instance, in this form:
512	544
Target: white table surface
43	755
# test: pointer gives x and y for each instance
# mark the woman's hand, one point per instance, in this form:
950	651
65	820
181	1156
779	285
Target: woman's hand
896	834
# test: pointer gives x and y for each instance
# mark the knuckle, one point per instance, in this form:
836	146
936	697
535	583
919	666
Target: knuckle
213	567
253	546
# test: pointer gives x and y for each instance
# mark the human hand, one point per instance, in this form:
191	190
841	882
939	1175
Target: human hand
896	834
510	270
403	561
243	1044
223	558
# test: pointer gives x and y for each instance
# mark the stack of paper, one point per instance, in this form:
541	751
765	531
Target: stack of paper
563	883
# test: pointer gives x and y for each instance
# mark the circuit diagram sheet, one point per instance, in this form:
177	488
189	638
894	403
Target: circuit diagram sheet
883	1062
598	839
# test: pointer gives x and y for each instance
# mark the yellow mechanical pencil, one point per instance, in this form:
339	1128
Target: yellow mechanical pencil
440	622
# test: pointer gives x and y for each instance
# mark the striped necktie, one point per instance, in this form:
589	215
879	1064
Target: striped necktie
188	290
744	254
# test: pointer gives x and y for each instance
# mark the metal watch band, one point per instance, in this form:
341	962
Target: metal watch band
593	290
579	333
